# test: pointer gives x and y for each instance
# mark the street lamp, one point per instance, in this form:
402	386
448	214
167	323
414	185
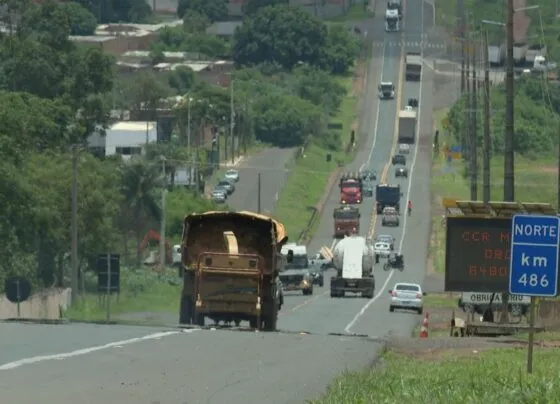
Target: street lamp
162	254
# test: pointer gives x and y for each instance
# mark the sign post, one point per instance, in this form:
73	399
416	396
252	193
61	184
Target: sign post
535	244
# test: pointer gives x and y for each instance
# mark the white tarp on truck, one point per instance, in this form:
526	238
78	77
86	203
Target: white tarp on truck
407	126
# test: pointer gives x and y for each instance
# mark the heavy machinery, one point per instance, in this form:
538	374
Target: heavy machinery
350	188
172	257
353	260
346	220
232	261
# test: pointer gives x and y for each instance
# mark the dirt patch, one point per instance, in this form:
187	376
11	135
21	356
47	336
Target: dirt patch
547	170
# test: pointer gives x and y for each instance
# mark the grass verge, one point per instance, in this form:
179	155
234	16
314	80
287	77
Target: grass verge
452	376
142	290
310	173
358	11
535	181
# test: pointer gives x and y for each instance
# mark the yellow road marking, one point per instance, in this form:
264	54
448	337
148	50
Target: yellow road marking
383	177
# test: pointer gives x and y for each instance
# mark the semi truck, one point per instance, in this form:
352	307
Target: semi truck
232	261
413	66
353	260
387	196
350	188
346	220
392	20
407	126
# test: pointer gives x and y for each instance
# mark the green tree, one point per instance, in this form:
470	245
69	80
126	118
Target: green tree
182	79
83	22
340	51
252	6
145	91
107	11
214	10
141	188
284	120
282	34
318	87
195	22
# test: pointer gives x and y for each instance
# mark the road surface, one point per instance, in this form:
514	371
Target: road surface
271	164
88	363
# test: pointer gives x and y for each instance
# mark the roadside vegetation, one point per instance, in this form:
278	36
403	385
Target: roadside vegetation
56	92
450	376
535	164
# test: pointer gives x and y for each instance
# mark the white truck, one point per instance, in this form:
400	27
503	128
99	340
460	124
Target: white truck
407	126
353	260
519	53
392	22
299	260
496	54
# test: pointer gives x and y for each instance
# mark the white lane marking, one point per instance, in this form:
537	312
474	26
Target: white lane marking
377	115
85	351
403	234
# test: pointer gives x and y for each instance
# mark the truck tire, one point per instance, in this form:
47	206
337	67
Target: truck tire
186	310
199	319
253	322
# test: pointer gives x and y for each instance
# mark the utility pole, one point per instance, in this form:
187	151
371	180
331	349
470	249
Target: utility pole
259	193
460	17
487	145
232	123
509	178
74	225
474	131
466	138
189	126
162	254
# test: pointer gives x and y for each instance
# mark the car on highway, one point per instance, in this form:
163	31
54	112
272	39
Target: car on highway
407	296
368	175
367	188
317	275
297	279
386	238
413	102
390	217
219	195
227	185
382	249
398	160
401	172
232	175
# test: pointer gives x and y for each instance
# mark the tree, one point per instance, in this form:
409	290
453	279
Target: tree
252	6
195	22
145	90
340	51
182	79
107	11
214	10
141	187
284	120
83	22
318	87
282	34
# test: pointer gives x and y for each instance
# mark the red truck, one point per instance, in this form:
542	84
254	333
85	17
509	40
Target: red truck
350	188
346	221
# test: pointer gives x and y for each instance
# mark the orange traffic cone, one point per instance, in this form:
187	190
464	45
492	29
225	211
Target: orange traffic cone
423	332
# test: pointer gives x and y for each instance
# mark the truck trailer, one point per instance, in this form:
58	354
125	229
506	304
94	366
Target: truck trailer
413	66
407	126
232	261
353	260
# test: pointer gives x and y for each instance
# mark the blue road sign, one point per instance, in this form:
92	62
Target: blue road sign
534	255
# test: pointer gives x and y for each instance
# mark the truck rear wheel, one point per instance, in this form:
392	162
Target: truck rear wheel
199	319
270	318
186	310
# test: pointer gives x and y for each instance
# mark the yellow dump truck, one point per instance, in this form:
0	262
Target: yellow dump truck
231	261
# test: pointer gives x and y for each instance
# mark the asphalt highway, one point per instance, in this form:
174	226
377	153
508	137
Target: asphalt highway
89	363
271	164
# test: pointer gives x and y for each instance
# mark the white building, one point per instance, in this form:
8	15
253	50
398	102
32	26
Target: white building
124	138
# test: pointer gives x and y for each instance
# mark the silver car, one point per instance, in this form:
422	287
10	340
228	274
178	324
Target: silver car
227	185
232	175
382	249
386	238
407	296
219	195
390	217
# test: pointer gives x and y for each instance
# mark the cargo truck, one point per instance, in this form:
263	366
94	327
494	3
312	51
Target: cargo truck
392	21
407	126
353	260
346	220
350	188
496	54
413	66
388	196
232	261
395	5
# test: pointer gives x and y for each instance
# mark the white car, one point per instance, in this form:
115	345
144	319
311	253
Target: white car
404	149
382	249
232	175
407	296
